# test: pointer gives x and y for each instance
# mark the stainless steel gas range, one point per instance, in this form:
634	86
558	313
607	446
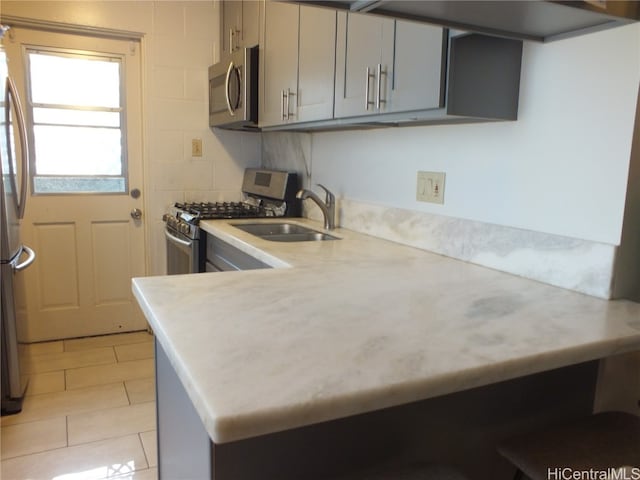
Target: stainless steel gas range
267	193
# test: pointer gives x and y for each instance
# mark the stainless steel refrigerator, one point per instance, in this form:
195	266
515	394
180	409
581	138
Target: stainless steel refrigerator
14	256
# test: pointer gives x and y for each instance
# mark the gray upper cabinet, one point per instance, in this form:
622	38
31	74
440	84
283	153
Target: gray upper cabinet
297	64
240	24
316	63
327	69
278	63
364	64
418	74
386	65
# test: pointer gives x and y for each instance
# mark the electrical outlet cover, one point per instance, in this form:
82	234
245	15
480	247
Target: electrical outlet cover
196	147
430	187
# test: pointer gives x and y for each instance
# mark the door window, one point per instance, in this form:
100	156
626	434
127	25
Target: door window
76	105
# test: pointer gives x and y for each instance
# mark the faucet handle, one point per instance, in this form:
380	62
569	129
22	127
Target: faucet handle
330	198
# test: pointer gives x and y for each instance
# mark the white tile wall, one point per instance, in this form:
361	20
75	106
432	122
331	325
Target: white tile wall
184	42
167	82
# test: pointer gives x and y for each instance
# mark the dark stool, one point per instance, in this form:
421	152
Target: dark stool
416	472
600	442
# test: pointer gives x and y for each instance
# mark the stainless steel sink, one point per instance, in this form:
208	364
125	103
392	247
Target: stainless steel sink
284	232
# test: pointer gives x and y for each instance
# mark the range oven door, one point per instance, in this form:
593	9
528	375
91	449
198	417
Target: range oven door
184	255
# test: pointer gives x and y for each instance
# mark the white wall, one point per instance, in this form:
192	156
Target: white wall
181	40
561	168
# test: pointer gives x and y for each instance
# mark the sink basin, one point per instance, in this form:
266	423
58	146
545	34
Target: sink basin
284	232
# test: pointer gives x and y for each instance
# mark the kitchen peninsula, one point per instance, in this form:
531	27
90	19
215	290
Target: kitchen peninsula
359	350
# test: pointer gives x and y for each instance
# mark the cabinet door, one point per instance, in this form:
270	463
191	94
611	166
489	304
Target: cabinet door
364	42
316	64
250	22
279	58
417	82
231	25
182	438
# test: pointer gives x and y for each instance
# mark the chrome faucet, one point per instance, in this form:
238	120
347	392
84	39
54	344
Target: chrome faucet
328	207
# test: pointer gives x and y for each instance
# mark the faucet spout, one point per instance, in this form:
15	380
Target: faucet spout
328	207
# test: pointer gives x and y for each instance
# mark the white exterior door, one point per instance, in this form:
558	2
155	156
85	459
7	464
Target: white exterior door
87	179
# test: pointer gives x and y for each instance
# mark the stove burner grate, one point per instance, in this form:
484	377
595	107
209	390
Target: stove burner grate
217	210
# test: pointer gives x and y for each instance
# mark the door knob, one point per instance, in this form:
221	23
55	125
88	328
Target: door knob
136	214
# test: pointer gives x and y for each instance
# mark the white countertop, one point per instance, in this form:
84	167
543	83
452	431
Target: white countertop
360	324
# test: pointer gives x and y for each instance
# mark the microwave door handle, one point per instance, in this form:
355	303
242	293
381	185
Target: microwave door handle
22	128
227	82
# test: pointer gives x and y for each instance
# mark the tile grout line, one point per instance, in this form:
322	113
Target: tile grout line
126	392
144	452
79	445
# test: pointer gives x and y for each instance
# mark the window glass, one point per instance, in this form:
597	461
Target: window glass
74	80
77	150
77	114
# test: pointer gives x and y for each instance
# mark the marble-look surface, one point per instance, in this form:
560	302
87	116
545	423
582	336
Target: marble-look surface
290	151
359	324
579	265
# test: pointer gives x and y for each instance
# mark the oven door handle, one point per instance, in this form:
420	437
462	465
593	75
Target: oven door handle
175	239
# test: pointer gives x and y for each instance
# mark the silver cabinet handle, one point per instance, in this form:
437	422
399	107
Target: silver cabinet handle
366	89
283	94
31	257
136	214
233	33
227	82
12	93
286	104
175	239
288	109
381	72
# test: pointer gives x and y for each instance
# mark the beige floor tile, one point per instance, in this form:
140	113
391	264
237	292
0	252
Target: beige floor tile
50	362
149	474
106	341
112	422
96	460
48	405
45	382
41	348
118	372
150	445
141	390
134	351
33	437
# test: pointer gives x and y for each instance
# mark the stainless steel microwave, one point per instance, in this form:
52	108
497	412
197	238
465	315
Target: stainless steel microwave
233	91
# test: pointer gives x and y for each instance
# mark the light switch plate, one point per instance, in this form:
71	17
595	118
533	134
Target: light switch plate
196	147
430	187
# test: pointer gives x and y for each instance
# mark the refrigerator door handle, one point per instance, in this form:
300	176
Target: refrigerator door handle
12	92
31	257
